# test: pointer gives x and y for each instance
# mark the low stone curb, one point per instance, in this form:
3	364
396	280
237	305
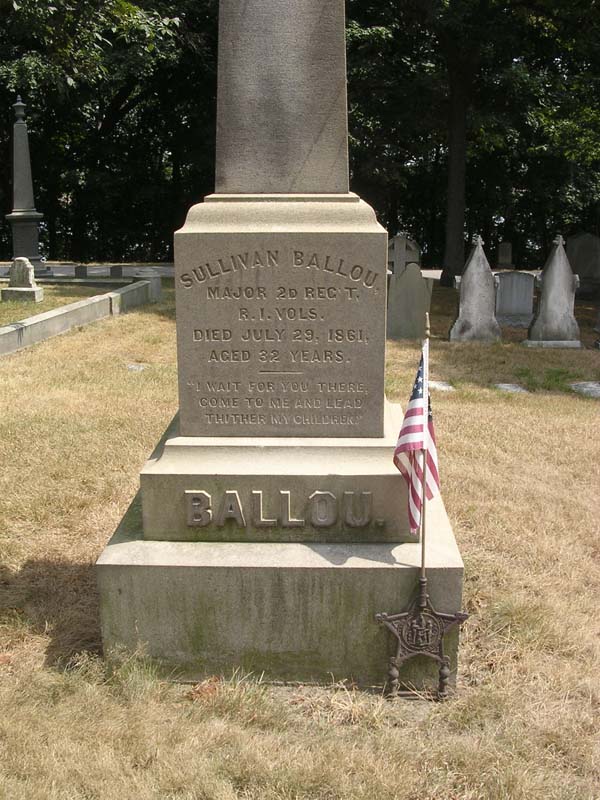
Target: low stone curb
43	326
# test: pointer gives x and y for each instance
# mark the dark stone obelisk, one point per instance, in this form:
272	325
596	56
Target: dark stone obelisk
24	219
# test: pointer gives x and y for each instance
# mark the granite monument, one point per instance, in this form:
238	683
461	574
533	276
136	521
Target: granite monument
24	219
273	523
476	319
555	324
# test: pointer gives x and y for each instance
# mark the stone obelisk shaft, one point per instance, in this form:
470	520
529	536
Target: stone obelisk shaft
24	218
22	181
282	107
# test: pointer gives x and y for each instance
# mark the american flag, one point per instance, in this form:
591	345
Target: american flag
417	435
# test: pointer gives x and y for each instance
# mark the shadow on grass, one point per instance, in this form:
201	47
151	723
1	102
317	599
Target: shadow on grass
58	599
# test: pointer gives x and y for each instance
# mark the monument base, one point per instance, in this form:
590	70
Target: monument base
22	294
567	345
290	611
282	489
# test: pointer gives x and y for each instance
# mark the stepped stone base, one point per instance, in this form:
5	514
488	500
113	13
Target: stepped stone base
295	612
266	489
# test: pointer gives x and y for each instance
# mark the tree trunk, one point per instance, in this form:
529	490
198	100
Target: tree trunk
454	252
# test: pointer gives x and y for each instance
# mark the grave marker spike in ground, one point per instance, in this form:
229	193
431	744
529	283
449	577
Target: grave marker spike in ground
273	521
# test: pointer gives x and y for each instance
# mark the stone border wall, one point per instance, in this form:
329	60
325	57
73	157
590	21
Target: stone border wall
43	326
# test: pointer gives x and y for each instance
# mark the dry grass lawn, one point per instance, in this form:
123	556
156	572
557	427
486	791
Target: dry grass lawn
54	296
522	486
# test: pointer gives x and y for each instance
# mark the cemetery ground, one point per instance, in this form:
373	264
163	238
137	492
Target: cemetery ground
54	297
520	478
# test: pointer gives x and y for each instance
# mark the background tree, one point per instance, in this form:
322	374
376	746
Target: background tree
465	116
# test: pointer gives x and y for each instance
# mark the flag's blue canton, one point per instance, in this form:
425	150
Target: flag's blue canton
417	392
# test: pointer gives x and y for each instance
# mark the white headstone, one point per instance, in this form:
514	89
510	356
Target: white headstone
409	301
21	274
21	283
476	312
514	298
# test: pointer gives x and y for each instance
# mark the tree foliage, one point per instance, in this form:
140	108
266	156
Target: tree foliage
465	116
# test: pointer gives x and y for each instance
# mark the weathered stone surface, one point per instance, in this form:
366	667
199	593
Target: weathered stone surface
511	388
402	251
291	611
505	259
275	490
583	252
21	274
282	116
587	388
476	311
21	283
25	295
514	298
281	299
24	219
555	318
281	321
408	301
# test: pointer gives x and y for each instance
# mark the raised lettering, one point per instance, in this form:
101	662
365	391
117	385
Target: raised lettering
323	509
287	521
230	508
198	510
258	518
358	517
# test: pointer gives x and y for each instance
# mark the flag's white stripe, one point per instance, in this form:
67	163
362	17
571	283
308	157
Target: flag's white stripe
410	438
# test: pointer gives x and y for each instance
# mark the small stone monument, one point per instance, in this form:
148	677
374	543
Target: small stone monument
555	324
409	300
402	251
24	219
514	298
21	284
273	521
583	252
505	259
476	321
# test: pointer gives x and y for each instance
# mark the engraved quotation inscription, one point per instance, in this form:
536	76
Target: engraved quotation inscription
280	339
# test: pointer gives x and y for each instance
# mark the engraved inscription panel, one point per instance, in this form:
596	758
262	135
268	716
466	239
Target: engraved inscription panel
281	335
